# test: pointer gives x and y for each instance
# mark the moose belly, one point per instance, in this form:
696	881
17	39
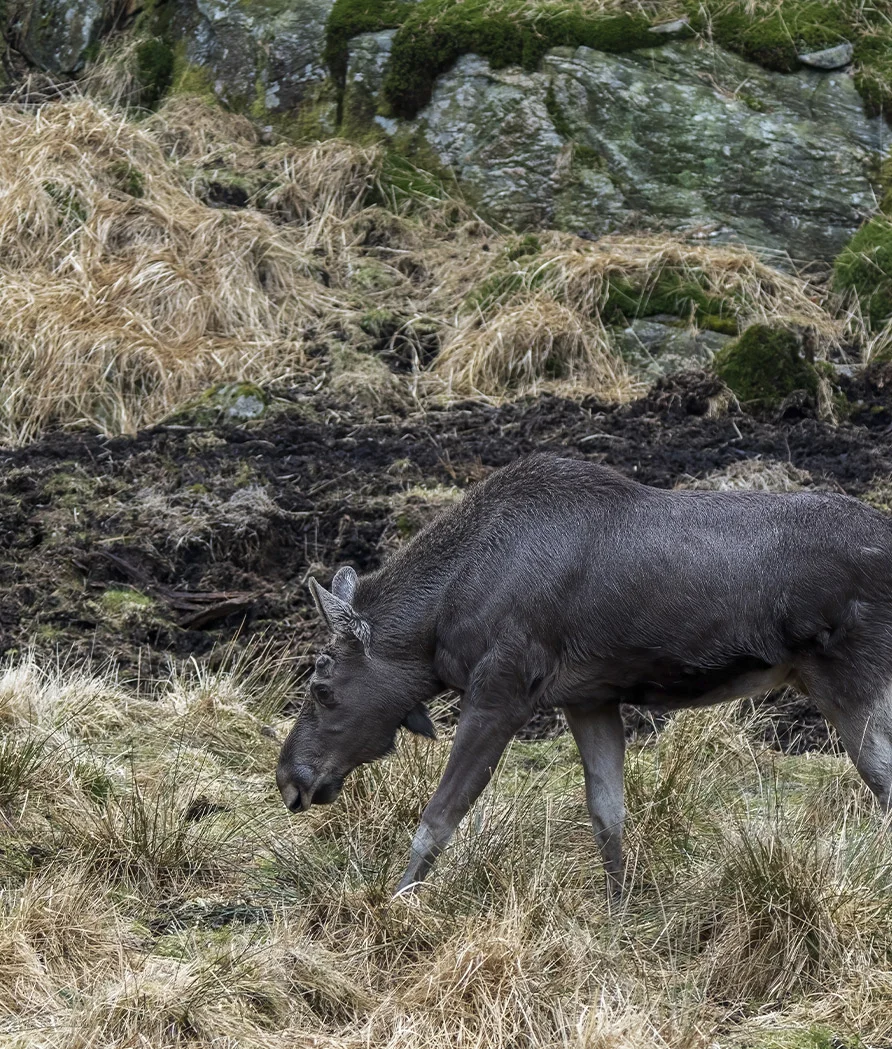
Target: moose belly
699	687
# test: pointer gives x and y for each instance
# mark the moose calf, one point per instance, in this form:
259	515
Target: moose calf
562	579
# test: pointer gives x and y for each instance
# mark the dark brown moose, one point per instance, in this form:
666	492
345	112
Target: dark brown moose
561	579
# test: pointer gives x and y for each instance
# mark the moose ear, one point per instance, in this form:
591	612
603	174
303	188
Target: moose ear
339	614
344	584
419	721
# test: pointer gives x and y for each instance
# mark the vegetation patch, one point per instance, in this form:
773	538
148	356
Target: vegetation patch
505	32
774	34
153	888
764	366
432	34
679	294
864	269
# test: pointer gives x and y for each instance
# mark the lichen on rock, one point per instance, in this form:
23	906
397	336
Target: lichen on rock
669	142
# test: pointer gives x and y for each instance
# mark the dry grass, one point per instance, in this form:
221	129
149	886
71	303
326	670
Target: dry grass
154	891
542	315
761	475
532	342
124	292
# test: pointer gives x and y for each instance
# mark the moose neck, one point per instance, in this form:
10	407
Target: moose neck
403	599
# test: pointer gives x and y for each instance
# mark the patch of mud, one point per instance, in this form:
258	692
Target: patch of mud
218	529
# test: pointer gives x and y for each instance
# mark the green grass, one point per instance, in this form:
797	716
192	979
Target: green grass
864	269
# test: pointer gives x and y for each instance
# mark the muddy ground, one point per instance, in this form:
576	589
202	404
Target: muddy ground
185	537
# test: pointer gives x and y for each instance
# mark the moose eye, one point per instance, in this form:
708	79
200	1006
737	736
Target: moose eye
322	694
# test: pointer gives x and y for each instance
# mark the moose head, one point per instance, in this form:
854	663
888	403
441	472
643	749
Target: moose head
363	688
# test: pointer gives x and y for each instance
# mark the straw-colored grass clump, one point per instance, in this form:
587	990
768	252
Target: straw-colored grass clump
154	891
143	259
121	292
550	312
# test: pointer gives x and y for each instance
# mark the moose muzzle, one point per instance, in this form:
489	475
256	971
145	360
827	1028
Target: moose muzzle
300	787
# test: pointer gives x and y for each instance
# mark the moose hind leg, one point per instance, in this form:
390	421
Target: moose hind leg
862	715
600	738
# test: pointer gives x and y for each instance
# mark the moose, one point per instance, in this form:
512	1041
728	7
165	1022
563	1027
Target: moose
561	580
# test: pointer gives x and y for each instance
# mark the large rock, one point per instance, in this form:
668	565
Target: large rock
659	346
681	137
261	54
54	35
367	58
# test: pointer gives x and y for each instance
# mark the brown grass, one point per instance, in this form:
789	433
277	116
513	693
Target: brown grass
545	315
159	894
124	292
121	293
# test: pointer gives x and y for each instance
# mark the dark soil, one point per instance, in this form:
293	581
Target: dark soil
218	528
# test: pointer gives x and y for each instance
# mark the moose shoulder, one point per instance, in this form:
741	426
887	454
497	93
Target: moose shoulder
562	579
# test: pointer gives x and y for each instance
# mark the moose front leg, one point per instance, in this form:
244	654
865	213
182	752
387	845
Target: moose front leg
480	740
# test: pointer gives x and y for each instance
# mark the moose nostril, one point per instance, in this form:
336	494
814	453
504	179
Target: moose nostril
302	776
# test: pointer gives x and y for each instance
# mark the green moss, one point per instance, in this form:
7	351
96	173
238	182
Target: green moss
776	35
413	177
528	244
349	18
380	323
189	79
155	67
127	178
717	323
437	32
672	294
558	118
873	71
865	268
755	104
68	203
121	602
432	34
587	157
764	366
497	287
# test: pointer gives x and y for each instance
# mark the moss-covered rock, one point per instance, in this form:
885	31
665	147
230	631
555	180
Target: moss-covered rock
765	366
234	402
353	18
675	294
864	268
668	144
263	58
55	35
658	346
507	33
774	36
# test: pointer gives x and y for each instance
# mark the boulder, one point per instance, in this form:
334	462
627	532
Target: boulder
55	35
663	345
683	138
258	55
830	57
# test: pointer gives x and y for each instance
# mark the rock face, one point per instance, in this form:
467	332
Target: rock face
262	51
659	346
681	137
54	35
